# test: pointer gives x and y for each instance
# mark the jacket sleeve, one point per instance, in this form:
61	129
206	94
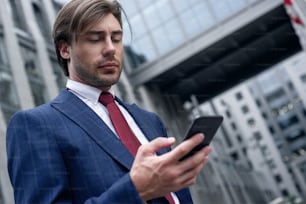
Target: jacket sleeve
37	169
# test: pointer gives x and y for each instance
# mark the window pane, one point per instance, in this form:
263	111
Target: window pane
268	81
138	27
181	5
191	24
174	32
128	32
204	15
245	109
221	8
129	6
151	17
237	5
164	9
144	3
145	47
161	40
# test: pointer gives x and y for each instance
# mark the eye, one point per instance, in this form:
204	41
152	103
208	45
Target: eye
116	39
94	39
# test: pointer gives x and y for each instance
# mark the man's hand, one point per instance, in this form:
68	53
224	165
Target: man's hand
155	176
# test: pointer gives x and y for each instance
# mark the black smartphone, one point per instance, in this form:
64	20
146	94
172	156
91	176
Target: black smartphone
208	125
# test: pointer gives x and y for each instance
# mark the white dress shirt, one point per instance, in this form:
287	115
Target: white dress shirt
90	96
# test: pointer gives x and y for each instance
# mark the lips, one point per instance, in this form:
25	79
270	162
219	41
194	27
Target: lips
109	65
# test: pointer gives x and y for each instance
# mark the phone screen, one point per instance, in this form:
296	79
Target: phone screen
208	125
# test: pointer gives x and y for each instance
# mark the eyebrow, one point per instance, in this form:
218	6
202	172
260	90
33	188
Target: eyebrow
93	32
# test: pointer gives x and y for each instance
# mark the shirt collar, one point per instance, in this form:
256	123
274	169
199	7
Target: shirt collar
85	91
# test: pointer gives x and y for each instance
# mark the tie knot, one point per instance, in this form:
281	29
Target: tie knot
106	98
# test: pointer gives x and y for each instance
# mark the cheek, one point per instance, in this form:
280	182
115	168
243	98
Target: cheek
120	54
86	55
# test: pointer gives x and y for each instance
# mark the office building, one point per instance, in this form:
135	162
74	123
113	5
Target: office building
265	122
29	74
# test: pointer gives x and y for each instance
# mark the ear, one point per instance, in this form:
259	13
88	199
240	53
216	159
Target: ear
64	50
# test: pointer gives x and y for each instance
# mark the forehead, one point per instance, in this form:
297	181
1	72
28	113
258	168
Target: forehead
105	23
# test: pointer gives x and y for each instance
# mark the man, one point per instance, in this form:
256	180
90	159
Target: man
69	150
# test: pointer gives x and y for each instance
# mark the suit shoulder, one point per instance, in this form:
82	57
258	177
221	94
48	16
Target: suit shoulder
39	112
43	109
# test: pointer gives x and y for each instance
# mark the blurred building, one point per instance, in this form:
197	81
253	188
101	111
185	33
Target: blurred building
176	49
29	74
265	119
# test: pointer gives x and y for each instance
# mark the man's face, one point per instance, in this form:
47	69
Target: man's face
95	58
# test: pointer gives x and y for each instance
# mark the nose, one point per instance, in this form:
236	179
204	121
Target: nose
109	48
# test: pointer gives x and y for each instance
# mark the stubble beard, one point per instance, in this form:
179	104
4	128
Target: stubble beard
98	80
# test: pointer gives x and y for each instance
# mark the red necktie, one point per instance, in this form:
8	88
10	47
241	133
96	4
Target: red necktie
122	128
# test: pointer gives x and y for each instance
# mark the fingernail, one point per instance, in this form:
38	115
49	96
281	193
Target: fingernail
171	139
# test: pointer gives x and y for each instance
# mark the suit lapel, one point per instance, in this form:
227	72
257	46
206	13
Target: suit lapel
73	108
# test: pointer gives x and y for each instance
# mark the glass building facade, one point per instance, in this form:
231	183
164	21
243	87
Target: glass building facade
163	25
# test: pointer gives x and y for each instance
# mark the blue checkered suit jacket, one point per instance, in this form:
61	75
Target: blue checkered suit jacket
62	152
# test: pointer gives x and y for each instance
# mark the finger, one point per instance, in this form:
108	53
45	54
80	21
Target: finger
189	177
193	165
196	159
207	150
158	144
186	146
